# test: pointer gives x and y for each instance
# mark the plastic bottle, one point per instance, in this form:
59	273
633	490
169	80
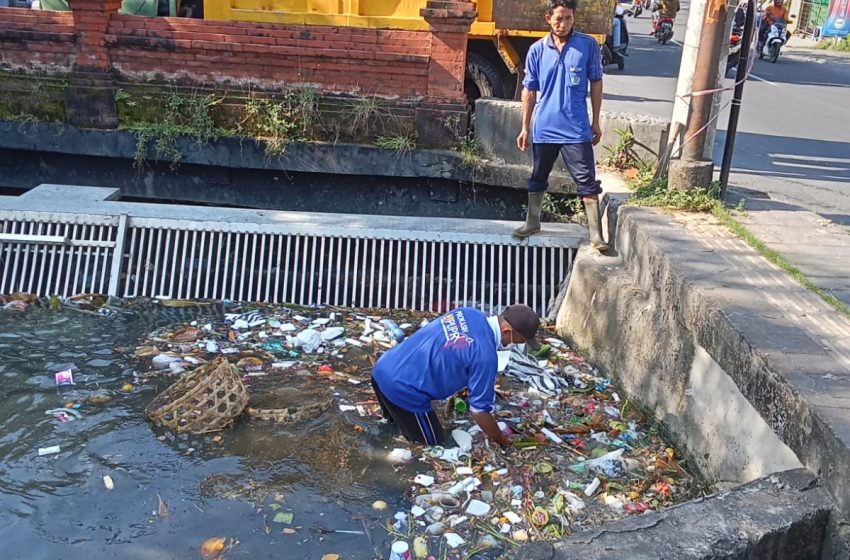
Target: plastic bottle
460	405
393	329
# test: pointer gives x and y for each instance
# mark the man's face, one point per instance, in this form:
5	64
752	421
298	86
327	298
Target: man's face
561	21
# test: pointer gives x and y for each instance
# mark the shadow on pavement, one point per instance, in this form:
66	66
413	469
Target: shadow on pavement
790	158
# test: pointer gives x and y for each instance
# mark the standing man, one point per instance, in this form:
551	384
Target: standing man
455	351
558	69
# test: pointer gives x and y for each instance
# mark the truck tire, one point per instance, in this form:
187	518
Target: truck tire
483	79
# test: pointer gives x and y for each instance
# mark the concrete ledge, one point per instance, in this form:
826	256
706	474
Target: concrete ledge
778	519
342	159
498	121
684	302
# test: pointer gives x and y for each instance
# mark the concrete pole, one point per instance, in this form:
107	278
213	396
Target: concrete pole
693	169
705	78
682	105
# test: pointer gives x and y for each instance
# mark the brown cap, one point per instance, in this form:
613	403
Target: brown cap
525	321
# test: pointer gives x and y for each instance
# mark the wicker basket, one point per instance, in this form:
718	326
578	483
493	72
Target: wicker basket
206	400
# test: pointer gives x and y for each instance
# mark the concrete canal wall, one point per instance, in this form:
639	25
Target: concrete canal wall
722	347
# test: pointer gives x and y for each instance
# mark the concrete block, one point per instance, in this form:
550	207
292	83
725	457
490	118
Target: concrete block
498	121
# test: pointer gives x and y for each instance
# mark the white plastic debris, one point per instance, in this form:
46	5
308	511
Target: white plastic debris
512	517
453	540
347	408
48	450
108	482
332	332
400	455
417	511
551	435
464	471
592	487
162	361
609	464
423	480
477	508
309	340
463	439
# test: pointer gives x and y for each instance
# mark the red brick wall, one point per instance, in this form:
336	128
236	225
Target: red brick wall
36	39
368	61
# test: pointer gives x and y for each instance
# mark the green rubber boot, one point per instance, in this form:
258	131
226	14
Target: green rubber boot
594	226
532	216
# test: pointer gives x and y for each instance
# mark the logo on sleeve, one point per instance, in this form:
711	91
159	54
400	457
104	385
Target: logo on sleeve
455	330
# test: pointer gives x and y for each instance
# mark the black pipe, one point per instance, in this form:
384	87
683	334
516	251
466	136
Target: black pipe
740	77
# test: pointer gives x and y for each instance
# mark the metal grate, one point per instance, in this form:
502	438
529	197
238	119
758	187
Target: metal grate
47	258
66	240
341	271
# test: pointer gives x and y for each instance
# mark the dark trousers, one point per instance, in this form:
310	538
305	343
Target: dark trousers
578	159
422	427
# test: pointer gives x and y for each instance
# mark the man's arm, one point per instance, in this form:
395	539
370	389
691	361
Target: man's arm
596	108
487	423
529	99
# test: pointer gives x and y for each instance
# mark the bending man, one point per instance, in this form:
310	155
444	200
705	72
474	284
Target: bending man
455	351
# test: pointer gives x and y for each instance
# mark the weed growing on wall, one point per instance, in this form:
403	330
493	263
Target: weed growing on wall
183	115
402	143
280	120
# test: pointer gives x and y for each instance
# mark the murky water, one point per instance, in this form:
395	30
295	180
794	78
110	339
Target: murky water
56	506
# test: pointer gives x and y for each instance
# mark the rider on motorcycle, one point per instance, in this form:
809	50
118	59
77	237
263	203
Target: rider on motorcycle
772	13
619	30
668	8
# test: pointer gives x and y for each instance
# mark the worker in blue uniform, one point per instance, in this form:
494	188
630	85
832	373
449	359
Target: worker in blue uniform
451	353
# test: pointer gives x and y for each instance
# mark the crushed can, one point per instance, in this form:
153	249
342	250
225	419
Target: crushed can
393	329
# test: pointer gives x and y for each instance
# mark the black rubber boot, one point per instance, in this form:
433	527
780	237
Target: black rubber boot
594	226
532	216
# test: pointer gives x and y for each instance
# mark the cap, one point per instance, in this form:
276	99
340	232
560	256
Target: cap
525	321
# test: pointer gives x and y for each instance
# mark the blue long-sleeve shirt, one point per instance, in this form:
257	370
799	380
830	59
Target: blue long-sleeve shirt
455	351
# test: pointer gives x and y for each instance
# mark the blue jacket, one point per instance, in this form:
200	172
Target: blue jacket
455	351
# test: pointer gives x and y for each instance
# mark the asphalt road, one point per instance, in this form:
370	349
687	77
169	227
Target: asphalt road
793	139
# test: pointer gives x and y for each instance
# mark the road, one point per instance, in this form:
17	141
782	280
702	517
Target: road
793	139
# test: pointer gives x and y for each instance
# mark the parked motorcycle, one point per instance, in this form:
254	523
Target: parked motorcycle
734	51
637	8
664	29
776	37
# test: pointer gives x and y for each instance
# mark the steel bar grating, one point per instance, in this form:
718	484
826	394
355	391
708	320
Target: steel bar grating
80	264
342	271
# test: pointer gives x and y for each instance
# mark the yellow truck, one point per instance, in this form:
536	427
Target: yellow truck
498	40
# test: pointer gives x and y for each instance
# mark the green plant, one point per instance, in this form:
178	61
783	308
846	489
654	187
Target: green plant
657	193
360	114
840	45
471	151
183	115
121	95
280	120
622	155
401	143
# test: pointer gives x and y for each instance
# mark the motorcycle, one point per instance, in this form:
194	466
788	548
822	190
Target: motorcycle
777	35
664	29
616	55
612	55
637	8
734	51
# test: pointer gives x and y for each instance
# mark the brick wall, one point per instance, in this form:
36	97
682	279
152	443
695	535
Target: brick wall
95	44
366	61
36	40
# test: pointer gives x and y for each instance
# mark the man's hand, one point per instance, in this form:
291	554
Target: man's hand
522	140
487	423
597	133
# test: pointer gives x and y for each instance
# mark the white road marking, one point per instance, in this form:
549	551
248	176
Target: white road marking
763	80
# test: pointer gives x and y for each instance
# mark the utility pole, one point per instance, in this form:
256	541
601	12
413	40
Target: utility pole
740	73
693	169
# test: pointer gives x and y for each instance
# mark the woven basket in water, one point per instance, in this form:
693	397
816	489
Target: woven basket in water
205	400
